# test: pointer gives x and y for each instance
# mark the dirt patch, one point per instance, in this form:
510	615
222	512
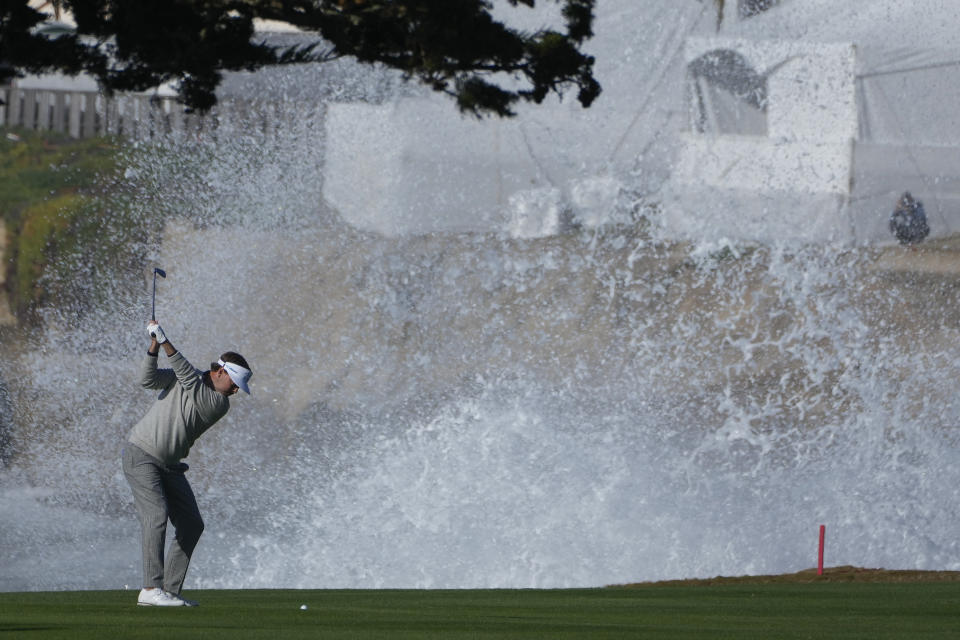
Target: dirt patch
830	574
6	317
940	257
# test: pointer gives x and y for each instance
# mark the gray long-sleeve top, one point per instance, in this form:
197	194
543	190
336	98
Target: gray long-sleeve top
184	409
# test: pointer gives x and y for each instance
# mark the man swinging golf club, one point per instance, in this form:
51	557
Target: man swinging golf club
189	403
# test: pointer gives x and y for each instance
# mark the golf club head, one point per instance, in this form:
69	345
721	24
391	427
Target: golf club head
160	272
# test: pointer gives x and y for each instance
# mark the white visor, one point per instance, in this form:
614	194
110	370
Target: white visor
238	374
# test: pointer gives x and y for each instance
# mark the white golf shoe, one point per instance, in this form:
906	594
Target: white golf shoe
160	598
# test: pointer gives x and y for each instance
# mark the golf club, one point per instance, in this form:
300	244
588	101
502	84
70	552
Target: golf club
153	305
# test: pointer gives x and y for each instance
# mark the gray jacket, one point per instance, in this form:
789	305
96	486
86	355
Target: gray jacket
184	409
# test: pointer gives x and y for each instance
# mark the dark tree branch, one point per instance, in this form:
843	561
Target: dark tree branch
452	46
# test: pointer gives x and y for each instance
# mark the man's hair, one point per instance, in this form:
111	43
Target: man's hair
231	356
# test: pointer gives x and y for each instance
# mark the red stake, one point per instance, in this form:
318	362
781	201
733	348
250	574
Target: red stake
823	531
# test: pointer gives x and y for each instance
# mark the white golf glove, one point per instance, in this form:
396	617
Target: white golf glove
154	330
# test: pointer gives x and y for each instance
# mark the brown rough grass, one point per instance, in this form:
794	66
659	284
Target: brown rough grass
830	574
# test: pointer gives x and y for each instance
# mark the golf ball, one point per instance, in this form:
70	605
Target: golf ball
303	607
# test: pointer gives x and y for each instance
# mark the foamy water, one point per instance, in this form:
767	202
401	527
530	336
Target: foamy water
484	411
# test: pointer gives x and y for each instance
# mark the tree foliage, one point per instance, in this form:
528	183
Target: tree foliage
453	46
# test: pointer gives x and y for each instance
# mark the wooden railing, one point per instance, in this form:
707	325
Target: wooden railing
84	114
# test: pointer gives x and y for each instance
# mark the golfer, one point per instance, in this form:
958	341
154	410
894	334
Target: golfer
189	403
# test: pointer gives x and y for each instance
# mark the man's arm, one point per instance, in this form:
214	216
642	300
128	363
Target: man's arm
154	347
150	376
185	372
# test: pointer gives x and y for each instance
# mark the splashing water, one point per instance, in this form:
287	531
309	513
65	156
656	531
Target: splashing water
482	410
476	410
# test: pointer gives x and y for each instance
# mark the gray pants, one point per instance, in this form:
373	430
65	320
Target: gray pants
161	492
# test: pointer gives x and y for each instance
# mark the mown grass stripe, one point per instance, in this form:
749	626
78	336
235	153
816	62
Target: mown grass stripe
767	611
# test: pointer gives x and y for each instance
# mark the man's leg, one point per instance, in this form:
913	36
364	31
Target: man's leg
185	516
143	474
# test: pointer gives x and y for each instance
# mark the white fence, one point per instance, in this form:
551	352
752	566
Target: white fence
83	114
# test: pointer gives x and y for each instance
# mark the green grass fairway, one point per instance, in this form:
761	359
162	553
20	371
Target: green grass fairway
767	611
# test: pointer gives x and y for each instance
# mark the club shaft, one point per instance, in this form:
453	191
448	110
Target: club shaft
153	302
